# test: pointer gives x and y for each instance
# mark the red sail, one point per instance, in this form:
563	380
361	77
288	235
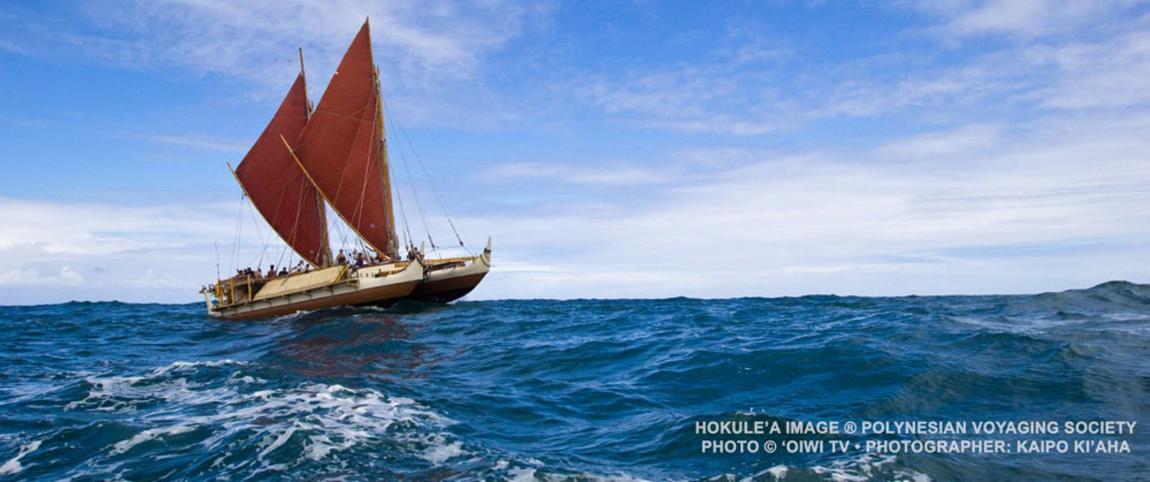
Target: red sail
342	149
277	186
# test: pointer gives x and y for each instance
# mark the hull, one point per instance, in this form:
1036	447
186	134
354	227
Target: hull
446	289
448	280
374	285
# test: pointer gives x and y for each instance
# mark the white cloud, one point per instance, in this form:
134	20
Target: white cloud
108	251
601	175
65	276
256	40
1103	74
428	53
200	142
957	143
1052	205
1104	64
708	97
92	229
1021	18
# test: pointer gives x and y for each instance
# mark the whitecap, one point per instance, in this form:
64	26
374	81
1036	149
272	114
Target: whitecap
436	447
182	365
331	418
14	466
117	393
521	475
439	454
279	441
149	434
865	468
778	472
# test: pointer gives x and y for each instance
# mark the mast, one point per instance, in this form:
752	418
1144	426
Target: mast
321	211
385	171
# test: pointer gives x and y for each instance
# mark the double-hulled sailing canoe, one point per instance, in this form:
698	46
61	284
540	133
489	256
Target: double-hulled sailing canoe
334	156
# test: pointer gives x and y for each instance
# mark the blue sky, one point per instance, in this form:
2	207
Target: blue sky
611	149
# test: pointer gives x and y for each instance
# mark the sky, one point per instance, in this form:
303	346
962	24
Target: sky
610	149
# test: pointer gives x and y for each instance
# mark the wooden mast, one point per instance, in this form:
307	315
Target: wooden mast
325	248
385	171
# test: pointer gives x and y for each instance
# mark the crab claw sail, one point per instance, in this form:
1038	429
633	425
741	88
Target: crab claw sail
342	148
279	189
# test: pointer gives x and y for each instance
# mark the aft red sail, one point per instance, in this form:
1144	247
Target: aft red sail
342	148
277	186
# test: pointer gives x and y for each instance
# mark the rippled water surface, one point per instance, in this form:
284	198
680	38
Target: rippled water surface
556	390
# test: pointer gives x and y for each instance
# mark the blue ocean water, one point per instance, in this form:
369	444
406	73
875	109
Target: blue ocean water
562	390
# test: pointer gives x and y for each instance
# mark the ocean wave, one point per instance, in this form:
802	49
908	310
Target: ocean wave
855	469
245	425
558	390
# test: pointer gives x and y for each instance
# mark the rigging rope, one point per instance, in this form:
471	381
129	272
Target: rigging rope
415	194
403	216
266	240
280	260
337	224
430	183
239	232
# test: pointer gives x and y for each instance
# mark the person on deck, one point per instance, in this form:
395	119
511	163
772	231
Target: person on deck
271	271
284	272
360	260
341	258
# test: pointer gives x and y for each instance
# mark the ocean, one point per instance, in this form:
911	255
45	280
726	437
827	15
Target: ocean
575	390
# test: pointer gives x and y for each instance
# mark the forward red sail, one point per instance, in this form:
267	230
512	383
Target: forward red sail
342	148
277	186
